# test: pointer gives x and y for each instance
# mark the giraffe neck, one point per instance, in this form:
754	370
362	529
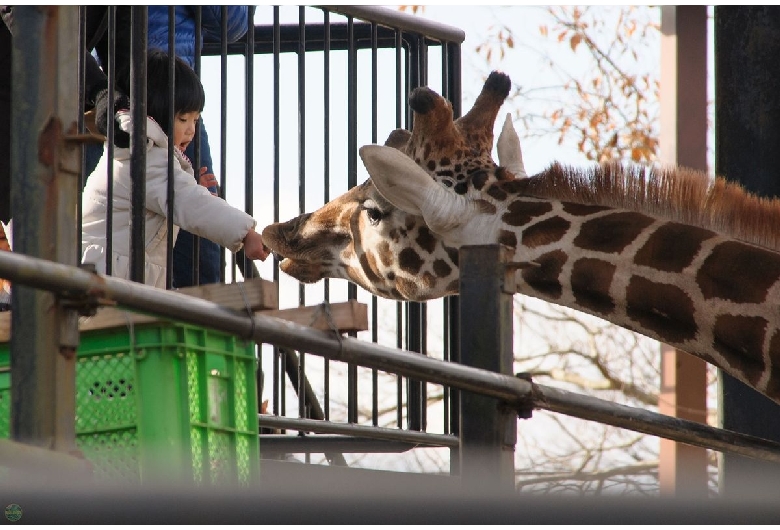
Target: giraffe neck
688	286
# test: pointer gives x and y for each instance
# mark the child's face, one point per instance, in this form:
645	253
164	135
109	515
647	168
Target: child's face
184	128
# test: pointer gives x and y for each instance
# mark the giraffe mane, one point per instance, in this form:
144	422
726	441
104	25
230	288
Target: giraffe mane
677	194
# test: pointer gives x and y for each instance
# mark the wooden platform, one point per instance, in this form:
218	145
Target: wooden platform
257	294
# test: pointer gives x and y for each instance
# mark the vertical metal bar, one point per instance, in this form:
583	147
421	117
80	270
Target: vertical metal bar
222	190
195	279
46	178
415	403
80	122
326	176
138	41
453	302
171	117
301	127
400	106
682	468
249	56
278	382
109	154
352	382
374	309
488	430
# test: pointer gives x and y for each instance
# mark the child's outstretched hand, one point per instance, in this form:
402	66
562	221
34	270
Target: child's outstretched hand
208	180
254	248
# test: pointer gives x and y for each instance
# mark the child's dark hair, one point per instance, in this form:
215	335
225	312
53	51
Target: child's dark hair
188	92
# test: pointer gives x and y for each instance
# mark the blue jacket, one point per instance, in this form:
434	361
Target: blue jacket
211	17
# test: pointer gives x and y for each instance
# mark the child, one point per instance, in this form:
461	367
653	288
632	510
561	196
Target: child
5	285
195	208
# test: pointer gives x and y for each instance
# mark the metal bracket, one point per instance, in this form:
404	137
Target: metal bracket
84	303
525	409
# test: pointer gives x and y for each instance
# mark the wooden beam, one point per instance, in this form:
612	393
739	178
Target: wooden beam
344	316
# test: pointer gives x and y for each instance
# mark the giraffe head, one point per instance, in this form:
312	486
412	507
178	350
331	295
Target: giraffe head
383	247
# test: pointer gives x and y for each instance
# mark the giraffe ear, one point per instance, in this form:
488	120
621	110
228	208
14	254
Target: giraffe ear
510	155
409	188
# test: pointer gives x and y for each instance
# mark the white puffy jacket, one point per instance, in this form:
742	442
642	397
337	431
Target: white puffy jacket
195	208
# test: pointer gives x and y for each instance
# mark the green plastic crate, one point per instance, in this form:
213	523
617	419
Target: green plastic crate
162	401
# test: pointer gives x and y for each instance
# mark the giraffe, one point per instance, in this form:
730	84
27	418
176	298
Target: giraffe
669	253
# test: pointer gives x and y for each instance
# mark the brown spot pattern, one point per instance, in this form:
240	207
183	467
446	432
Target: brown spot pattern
370	269
496	192
385	254
521	212
611	233
426	239
453	254
479	180
590	281
740	339
580	210
544	274
507	238
672	247
545	232
729	273
665	309
409	260
441	268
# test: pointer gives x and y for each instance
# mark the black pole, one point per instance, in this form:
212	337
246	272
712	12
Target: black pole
747	150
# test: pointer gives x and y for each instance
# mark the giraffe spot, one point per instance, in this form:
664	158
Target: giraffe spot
457	168
590	281
662	308
431	165
385	254
426	239
395	294
444	173
409	260
672	247
543	275
508	238
479	180
407	288
611	233
393	235
370	269
441	268
461	188
501	173
428	280
444	161
453	286
773	384
514	186
391	276
545	232
740	340
729	273
522	212
581	210
453	254
496	192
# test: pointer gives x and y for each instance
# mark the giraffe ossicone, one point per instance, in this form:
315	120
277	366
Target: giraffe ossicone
669	253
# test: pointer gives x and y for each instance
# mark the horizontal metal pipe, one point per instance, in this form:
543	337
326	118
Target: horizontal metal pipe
76	283
275	445
351	429
403	21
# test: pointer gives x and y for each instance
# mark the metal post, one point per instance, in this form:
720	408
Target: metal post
46	173
488	430
683	468
747	44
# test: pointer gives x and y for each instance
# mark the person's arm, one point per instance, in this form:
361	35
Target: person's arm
211	17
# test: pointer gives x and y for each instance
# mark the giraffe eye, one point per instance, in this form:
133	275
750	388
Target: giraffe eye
374	215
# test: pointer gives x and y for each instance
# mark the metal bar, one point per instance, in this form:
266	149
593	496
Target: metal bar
395	19
351	429
488	431
278	390
374	303
109	154
352	153
195	279
301	378
45	184
64	279
138	40
400	106
222	189
326	178
171	117
277	445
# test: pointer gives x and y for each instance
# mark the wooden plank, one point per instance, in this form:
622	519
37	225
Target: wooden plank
344	316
